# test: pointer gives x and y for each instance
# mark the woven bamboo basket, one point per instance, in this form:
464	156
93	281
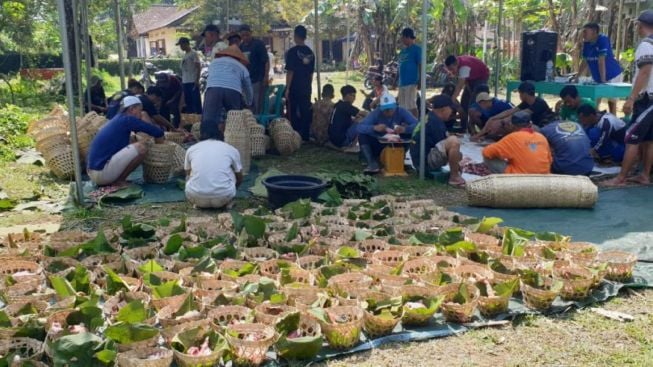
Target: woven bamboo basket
370	246
283	136
61	163
49	132
269	314
250	352
143	344
577	282
175	137
256	129
532	191
301	294
19	265
191	118
27	347
179	158
343	282
91	122
375	325
455	312
144	358
296	141
237	121
195	130
416	267
310	262
169	333
390	258
186	360
538	299
52	144
239	139
620	264
224	316
492	306
345	332
258	254
258	144
160	153
58	122
308	327
157	173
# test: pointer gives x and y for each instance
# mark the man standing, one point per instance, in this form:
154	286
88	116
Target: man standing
598	57
440	149
639	135
190	77
471	73
212	42
387	119
570	148
300	64
410	60
111	158
228	82
259	65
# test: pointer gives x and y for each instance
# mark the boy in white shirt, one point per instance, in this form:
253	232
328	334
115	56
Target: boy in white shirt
213	170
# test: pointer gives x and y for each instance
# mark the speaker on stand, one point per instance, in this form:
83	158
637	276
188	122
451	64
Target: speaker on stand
537	48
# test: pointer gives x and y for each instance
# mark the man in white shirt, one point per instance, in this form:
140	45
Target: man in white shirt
212	42
639	136
190	77
213	170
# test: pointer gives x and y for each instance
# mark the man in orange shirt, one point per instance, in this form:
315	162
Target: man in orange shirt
521	151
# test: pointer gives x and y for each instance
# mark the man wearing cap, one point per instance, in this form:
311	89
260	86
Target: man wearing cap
212	42
387	119
570	148
599	59
440	149
300	65
539	110
111	158
259	65
471	72
98	97
226	86
410	59
487	107
213	170
523	150
639	136
190	77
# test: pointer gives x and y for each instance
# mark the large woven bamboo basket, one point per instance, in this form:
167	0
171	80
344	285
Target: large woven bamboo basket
258	144
178	160
47	122
237	121
239	139
532	191
47	132
91	122
283	136
160	153
158	163
52	144
175	137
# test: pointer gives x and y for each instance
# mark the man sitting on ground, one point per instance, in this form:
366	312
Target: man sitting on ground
570	147
388	118
540	113
342	129
213	170
322	111
488	107
440	149
111	158
151	102
523	150
569	103
378	89
605	131
457	114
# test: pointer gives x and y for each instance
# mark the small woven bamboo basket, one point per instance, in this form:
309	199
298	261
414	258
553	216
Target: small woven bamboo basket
375	325
344	331
620	264
455	312
537	299
258	145
26	347
269	314
158	163
146	357
224	316
61	162
195	130
247	351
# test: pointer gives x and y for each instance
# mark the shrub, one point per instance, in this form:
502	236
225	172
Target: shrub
113	68
13	131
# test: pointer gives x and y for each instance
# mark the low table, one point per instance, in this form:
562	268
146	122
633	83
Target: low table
392	157
592	91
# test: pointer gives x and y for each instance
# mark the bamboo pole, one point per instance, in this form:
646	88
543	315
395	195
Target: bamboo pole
422	105
318	59
121	61
619	24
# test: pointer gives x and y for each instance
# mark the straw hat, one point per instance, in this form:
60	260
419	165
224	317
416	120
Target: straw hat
233	51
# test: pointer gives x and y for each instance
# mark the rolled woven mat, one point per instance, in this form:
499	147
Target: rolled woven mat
532	191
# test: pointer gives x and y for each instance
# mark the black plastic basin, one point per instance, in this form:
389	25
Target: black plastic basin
284	189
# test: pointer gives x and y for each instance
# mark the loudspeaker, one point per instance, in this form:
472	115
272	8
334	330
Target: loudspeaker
537	48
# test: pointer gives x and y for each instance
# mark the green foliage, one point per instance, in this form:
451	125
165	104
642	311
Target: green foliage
352	185
13	130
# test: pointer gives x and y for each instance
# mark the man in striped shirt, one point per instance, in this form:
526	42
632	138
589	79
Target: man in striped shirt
227	85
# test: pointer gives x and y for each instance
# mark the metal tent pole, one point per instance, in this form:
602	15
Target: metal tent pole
635	33
87	49
422	105
121	62
70	100
497	42
347	58
318	60
78	57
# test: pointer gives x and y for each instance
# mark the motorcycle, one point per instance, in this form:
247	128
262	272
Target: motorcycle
204	74
391	75
387	72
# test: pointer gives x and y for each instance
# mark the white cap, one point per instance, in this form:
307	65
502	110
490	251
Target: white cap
388	102
129	101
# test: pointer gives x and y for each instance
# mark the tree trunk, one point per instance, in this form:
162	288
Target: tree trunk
72	39
553	17
366	37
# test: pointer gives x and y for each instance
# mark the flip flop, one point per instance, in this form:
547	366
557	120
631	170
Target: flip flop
369	171
457	184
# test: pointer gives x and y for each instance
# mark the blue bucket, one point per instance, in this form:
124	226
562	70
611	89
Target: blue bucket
285	189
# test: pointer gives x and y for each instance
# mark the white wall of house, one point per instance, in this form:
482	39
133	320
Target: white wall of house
162	39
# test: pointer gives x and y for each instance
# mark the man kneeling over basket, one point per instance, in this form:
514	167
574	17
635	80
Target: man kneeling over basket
111	158
213	170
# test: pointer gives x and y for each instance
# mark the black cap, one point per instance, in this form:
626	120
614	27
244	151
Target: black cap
440	101
183	40
408	33
521	118
526	87
210	28
646	17
245	28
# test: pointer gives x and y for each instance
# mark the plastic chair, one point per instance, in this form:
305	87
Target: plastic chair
278	91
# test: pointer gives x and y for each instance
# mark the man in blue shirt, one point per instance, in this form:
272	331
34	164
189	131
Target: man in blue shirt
570	147
605	131
599	58
440	149
485	108
410	59
387	119
111	157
